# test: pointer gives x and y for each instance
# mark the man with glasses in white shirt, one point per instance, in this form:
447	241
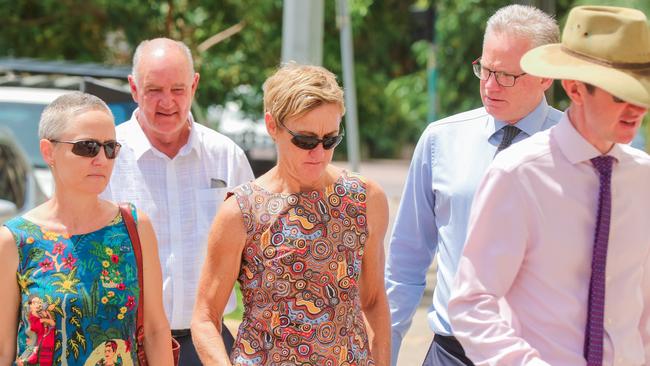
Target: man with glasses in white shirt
449	161
175	170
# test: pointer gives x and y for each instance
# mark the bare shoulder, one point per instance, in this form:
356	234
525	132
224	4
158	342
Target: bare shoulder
230	214
228	231
8	249
6	237
375	195
143	218
374	191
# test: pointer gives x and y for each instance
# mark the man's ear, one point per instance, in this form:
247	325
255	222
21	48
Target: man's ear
271	126
195	82
133	87
574	90
546	83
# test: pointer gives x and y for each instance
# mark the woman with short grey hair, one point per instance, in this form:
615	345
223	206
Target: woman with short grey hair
69	276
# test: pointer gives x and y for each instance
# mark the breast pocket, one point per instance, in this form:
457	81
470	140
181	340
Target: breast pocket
208	202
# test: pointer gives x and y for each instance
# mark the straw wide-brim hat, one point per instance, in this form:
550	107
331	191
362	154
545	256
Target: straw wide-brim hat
608	47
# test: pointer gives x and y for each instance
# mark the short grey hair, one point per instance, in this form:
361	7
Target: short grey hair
524	21
137	55
58	114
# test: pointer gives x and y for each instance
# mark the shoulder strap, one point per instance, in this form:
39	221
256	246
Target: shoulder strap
125	210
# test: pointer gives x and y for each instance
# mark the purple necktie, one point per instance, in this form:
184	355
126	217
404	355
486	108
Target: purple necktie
596	311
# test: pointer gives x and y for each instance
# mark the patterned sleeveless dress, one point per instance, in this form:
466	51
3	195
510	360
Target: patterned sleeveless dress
299	276
79	296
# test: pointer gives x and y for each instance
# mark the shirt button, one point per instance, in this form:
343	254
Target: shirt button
608	279
609	321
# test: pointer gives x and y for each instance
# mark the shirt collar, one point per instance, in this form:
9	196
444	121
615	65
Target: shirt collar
575	147
140	144
530	124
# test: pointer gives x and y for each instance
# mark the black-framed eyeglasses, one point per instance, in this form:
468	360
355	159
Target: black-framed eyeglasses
90	148
307	142
503	78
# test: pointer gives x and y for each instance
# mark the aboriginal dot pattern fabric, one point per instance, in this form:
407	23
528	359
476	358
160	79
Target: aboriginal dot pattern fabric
300	274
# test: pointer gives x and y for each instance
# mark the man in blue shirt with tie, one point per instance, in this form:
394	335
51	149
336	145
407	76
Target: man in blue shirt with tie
448	164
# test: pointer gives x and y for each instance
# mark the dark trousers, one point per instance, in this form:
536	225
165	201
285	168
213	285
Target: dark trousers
446	351
188	355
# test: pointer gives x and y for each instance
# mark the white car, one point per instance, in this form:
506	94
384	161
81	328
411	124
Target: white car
19	191
20	112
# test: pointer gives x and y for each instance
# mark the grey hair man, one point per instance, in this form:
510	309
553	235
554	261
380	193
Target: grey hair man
177	171
448	164
558	231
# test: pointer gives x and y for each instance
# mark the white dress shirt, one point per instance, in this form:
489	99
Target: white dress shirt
181	196
530	242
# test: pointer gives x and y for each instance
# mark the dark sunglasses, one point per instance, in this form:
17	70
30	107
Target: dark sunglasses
90	148
306	142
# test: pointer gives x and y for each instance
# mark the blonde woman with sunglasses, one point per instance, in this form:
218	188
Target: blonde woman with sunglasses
304	241
68	273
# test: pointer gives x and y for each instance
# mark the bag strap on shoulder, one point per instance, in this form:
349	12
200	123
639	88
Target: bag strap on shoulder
132	229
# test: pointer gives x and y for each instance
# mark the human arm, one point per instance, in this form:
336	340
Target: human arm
413	244
10	302
157	335
222	263
495	249
374	302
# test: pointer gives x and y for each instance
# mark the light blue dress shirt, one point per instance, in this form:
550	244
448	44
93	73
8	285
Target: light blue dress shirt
449	161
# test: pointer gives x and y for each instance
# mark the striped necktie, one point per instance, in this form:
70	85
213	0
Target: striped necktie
595	328
509	134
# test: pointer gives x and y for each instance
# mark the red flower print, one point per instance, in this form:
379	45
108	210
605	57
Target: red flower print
121	287
46	265
69	261
127	344
104	272
58	248
130	302
115	259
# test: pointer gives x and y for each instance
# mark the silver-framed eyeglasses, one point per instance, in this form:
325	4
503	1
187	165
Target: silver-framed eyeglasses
503	78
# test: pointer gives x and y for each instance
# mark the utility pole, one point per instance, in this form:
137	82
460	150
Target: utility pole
302	31
302	42
347	56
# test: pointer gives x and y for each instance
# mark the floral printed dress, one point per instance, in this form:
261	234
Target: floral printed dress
79	296
299	276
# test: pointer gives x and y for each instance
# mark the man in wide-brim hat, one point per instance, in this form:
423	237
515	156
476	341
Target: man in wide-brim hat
558	229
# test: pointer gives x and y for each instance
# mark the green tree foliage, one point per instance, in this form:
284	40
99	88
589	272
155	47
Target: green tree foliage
390	68
391	64
459	37
390	73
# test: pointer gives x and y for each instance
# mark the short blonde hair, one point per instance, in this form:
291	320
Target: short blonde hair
297	89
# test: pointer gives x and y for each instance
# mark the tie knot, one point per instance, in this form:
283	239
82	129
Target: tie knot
510	131
603	164
509	134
